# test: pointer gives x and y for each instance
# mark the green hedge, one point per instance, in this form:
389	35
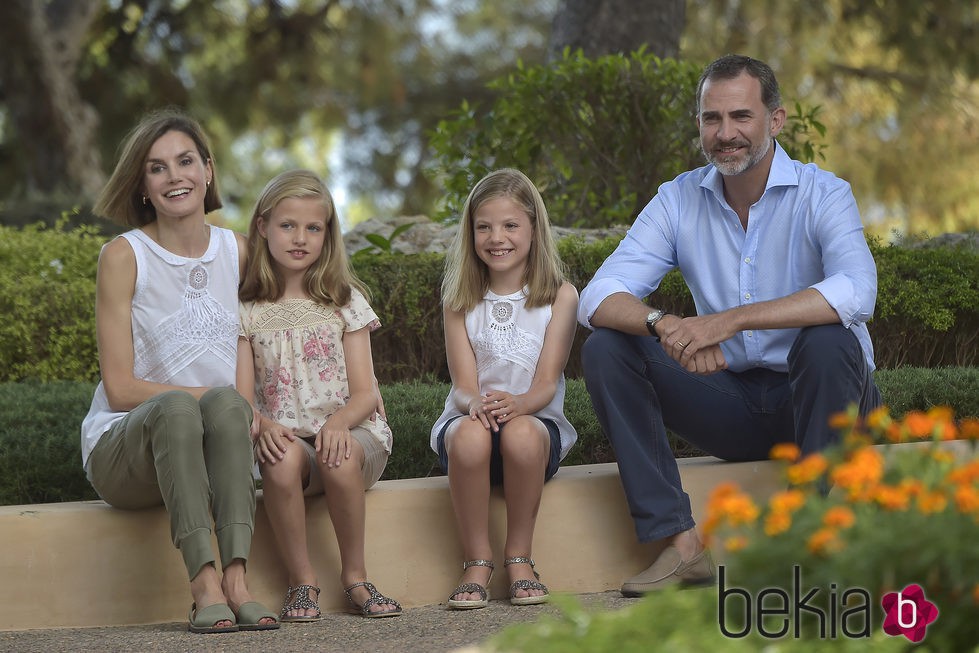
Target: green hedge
40	440
927	308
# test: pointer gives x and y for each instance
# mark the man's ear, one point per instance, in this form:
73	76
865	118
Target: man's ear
777	121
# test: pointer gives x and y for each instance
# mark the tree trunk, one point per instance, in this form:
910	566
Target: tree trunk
40	46
617	26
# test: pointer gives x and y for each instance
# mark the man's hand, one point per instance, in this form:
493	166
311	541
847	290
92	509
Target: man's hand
694	342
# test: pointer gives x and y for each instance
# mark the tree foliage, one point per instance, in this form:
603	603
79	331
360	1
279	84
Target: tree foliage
898	83
599	27
597	136
347	88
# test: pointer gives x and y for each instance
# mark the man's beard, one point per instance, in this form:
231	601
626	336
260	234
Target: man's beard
737	166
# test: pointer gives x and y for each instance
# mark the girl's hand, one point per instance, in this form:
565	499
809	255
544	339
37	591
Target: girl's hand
503	406
271	441
477	411
333	444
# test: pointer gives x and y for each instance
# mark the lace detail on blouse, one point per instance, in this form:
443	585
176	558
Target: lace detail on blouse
502	339
201	325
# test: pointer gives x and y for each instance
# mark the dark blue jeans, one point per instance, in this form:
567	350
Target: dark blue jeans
638	392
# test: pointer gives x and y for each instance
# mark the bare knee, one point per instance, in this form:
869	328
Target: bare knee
348	475
524	439
287	471
468	444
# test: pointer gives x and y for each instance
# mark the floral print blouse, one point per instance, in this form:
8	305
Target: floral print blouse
300	372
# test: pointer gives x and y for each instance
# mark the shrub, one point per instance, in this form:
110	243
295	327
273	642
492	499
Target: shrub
597	136
40	439
47	298
39	427
927	307
895	516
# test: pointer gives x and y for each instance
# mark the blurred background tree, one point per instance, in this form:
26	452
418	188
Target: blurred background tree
353	88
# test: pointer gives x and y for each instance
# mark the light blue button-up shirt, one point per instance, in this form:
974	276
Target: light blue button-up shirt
804	232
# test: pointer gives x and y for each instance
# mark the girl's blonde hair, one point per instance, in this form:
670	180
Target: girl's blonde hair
329	279
122	199
466	277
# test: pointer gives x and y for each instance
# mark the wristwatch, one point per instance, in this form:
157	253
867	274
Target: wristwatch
654	316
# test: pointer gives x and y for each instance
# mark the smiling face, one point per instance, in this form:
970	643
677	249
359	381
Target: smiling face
295	231
503	236
175	176
736	129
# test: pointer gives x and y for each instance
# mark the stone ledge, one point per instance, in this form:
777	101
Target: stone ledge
97	566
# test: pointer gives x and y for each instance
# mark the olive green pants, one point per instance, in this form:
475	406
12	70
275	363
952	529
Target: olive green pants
194	457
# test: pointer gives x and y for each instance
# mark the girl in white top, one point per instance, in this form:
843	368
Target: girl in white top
509	319
304	360
166	425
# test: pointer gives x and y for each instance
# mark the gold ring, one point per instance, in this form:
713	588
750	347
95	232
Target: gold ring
682	344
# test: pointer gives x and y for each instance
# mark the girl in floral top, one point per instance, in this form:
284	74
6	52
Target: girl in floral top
304	361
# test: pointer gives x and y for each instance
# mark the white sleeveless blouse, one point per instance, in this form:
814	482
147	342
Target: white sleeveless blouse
507	338
184	322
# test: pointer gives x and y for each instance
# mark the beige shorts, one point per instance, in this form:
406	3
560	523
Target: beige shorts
375	460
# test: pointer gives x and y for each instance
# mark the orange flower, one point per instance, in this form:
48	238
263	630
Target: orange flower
879	418
967	473
919	425
739	509
864	470
735	543
941	413
777	522
807	470
785	451
823	541
841	421
839	517
891	497
947	431
931	502
894	433
969	428
787	501
722	490
967	499
944	418
728	504
912	486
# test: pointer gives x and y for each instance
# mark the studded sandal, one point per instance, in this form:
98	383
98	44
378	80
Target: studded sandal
471	588
300	601
376	598
526	585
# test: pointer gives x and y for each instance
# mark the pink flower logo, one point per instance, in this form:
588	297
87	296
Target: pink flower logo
908	613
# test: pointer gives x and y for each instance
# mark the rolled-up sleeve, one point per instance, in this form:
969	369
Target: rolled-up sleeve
850	273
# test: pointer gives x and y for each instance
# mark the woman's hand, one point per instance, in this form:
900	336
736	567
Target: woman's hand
271	440
503	406
333	443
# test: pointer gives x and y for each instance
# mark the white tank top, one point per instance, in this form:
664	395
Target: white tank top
507	338
184	321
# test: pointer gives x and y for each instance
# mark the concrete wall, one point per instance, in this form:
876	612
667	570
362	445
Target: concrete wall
86	564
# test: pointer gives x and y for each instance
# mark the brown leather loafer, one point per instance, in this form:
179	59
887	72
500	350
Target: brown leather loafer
670	569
